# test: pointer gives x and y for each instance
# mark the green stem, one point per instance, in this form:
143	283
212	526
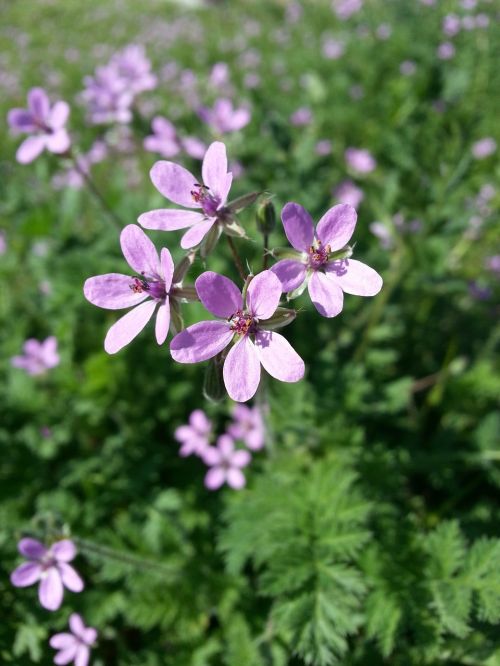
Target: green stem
93	189
236	257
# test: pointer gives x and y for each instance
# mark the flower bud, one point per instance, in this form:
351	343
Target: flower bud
213	384
242	202
185	294
176	321
266	216
182	268
210	241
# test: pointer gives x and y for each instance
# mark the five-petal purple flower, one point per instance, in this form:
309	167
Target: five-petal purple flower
74	646
38	356
322	260
194	437
149	288
45	124
50	567
244	322
225	463
180	186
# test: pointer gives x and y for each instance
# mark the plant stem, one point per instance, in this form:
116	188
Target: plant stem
97	195
266	253
236	258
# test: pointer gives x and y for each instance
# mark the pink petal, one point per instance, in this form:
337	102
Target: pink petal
167	267
197	233
21	120
218	294
241	458
235	478
242	371
290	272
198	419
112	291
201	341
76	624
62	641
263	294
214	170
163	126
58	115
162	321
31	548
326	296
26	574
51	589
82	656
225	444
298	226
128	327
64	550
90	635
70	578
165	219
355	277
278	357
215	477
30	149
58	142
337	226
212	456
139	251
175	183
38	103
66	656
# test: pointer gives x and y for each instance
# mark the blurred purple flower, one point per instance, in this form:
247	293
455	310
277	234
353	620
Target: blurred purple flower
493	263
38	356
384	31
323	262
45	124
255	345
383	233
50	567
223	117
482	21
226	463
134	68
479	292
74	646
73	177
3	242
451	25
194	147
248	426
149	288
323	147
251	80
349	193
408	68
360	160
194	438
179	186
344	9
446	51
332	48
301	117
164	139
107	97
219	76
484	148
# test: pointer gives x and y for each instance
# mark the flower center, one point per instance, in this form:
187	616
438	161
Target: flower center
154	287
318	255
241	322
209	202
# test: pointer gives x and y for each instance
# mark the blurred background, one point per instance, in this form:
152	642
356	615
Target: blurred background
367	530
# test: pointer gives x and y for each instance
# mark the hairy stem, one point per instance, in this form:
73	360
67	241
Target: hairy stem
236	258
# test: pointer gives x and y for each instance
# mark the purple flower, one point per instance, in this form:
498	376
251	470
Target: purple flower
164	138
45	124
134	68
50	567
38	356
248	426
407	68
226	464
332	48
383	233
301	117
446	51
3	243
484	148
493	263
349	193
74	646
194	437
245	322
219	76
194	147
322	259
180	186
107	96
344	9
143	292
323	147
360	160
223	117
451	25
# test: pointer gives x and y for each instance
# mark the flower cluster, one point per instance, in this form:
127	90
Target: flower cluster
224	459
243	336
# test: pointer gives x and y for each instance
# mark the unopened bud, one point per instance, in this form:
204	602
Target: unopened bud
210	241
282	317
176	321
213	384
183	266
186	294
242	202
266	216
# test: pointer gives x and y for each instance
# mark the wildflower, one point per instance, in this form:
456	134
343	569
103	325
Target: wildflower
107	97
383	233
245	323
194	147
332	48
164	138
248	426
408	68
484	148
301	117
446	51
225	463
3	243
50	567
451	25
150	288
38	356
194	437
74	646
493	263
322	259
179	186
344	9
45	124
219	76
349	193
134	68
223	117
360	160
